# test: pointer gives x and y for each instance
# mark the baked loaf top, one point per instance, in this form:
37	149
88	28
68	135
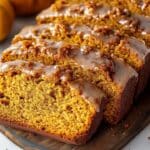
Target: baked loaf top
62	53
140	7
97	12
109	41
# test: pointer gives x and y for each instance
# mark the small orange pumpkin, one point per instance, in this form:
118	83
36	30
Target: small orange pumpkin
6	18
29	7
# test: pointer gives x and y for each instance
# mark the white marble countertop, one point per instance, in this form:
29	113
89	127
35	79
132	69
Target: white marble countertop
140	142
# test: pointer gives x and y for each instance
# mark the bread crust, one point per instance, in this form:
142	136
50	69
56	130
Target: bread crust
144	75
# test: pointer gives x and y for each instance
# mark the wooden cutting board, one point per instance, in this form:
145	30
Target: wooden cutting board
106	138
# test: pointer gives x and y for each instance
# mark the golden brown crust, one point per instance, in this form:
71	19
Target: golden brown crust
134	6
117	18
121	18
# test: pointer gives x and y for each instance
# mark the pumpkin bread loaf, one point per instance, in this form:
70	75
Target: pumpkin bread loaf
46	102
112	75
82	62
110	42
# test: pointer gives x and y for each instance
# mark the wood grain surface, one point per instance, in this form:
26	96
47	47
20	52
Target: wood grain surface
106	138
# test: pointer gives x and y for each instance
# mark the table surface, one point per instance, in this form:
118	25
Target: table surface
140	142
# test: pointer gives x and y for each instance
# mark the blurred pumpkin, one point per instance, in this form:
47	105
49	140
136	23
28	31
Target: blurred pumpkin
6	18
29	7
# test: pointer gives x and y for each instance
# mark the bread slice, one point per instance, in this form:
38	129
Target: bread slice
63	10
141	7
93	13
119	19
98	14
112	75
143	53
110	42
36	98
